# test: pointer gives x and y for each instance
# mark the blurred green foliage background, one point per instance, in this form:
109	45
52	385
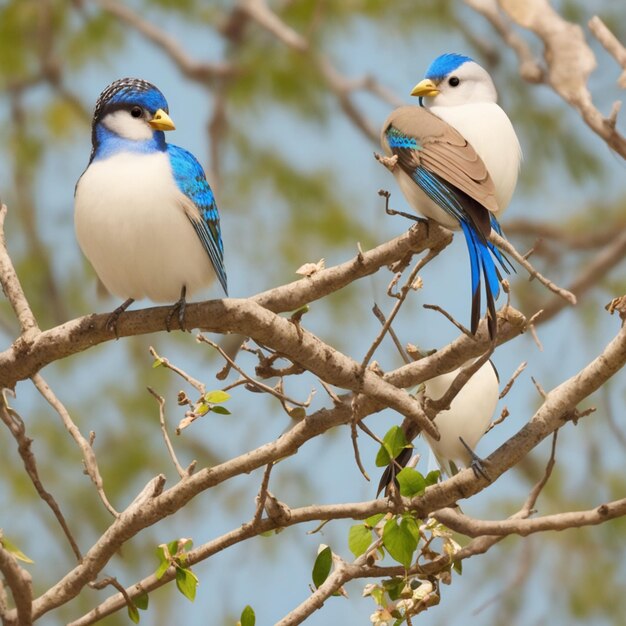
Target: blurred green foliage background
287	144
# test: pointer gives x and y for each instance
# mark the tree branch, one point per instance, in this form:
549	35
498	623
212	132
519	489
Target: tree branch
21	585
560	521
229	315
569	61
12	287
201	71
154	506
611	44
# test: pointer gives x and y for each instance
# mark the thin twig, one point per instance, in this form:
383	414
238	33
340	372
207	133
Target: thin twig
380	316
540	389
196	384
404	291
111	581
435	307
368	432
508	248
503	415
520	368
532	329
86	448
259	385
12	287
531	500
16	426
168	443
354	436
331	394
611	44
262	495
460	380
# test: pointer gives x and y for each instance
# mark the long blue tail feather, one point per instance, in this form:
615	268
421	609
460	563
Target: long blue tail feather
481	261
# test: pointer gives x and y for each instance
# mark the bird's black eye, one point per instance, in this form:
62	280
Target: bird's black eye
453	81
136	112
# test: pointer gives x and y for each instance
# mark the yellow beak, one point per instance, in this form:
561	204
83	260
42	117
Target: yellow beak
426	88
162	121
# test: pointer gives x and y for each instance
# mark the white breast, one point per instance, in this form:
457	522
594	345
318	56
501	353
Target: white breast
490	132
131	225
468	416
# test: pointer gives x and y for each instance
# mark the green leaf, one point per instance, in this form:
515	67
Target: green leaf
222	410
400	541
374	519
216	397
412	525
432	477
163	555
133	613
141	601
156	363
248	618
394	586
359	539
378	594
163	567
322	565
187	582
202	408
393	443
411	482
9	546
457	566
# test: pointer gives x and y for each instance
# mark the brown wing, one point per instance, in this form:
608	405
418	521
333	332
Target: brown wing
444	152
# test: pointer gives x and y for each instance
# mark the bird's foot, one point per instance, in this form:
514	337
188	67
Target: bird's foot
386	194
111	324
477	464
389	162
178	309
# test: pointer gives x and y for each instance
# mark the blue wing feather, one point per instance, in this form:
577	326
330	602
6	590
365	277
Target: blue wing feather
453	201
192	181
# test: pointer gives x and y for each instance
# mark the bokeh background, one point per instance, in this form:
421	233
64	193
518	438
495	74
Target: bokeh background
296	181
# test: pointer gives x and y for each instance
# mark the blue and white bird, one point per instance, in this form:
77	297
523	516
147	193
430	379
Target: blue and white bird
145	215
460	426
456	158
465	422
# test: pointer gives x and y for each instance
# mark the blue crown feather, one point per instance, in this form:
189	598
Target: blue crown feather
130	91
445	64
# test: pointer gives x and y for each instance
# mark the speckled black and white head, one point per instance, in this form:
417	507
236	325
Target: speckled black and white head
131	114
454	79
